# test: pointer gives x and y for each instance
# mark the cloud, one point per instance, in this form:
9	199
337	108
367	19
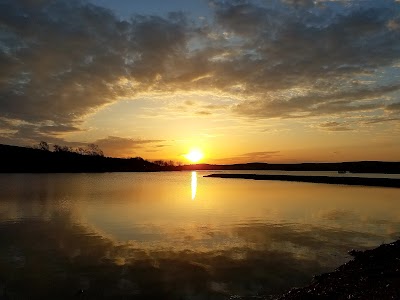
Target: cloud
382	120
62	60
393	107
319	52
123	147
241	17
25	134
334	126
203	113
260	156
317	104
189	102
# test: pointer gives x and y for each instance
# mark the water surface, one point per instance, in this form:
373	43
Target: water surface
177	235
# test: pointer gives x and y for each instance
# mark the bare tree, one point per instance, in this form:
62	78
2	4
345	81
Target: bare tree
94	150
42	146
164	163
90	149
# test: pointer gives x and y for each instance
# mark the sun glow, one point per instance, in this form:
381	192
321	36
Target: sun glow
194	155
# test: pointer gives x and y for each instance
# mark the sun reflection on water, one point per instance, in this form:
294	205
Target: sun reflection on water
194	184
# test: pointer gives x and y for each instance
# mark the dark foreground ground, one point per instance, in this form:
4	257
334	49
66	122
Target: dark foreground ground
382	182
372	274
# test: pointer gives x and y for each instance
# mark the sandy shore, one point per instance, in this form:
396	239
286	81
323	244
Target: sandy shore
382	182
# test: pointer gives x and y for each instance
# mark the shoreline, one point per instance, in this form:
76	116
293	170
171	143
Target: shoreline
360	181
371	274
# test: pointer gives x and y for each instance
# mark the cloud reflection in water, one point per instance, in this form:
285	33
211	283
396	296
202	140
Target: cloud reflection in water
115	235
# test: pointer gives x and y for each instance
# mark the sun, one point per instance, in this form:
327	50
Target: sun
194	155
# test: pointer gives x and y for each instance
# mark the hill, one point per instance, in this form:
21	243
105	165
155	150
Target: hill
14	159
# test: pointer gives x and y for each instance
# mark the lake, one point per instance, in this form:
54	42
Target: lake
178	235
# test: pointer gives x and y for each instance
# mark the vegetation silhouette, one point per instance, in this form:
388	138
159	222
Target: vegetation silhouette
39	158
365	181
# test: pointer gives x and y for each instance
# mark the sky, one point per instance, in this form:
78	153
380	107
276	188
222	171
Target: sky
279	81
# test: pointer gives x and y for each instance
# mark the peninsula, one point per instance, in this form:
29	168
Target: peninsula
382	182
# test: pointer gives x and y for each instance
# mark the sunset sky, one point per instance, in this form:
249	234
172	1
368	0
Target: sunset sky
243	81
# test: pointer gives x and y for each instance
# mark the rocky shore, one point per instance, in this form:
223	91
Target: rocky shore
372	274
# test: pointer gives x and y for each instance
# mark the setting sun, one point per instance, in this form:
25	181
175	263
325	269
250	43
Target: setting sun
194	155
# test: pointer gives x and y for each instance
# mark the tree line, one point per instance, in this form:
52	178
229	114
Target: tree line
90	149
94	150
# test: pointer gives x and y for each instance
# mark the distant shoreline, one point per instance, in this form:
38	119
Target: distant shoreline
362	181
14	159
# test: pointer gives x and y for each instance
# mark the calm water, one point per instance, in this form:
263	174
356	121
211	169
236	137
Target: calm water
178	235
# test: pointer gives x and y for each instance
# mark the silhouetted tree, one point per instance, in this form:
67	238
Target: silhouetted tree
59	148
81	151
160	162
44	146
91	149
94	150
164	163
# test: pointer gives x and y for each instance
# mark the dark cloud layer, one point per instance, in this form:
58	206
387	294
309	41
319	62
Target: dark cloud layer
61	60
